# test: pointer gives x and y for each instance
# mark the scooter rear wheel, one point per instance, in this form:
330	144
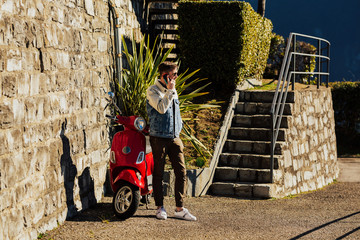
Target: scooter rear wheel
126	200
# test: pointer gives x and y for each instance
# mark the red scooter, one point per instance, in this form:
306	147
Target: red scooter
131	164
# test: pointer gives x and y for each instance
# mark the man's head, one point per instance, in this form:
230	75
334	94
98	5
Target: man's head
169	68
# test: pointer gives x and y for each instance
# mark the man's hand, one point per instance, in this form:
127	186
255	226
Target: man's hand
171	84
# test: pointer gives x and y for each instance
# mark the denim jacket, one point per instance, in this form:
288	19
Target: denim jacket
163	111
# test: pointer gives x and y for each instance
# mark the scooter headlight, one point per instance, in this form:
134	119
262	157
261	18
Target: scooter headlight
140	123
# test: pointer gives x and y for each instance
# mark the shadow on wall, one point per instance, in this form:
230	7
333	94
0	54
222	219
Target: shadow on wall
87	193
69	171
139	11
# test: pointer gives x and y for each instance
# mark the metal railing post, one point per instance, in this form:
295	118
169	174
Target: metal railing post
328	66
272	145
294	65
319	65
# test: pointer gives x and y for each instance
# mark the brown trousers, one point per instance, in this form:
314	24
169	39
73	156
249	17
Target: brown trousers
174	149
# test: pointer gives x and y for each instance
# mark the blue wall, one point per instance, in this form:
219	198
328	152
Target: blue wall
336	21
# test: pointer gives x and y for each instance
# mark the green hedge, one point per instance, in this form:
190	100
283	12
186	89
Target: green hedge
346	102
228	41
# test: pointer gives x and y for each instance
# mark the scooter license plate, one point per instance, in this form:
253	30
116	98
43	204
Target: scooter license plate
150	182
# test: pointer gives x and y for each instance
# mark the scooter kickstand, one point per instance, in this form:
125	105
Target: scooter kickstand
147	202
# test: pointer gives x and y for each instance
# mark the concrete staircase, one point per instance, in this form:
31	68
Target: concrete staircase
244	165
163	23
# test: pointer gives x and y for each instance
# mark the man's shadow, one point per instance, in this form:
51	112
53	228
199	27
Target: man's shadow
69	171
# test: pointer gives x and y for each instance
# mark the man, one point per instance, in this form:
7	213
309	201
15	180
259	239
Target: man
165	126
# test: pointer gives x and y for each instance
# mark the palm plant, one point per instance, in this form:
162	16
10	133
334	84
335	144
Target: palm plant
142	72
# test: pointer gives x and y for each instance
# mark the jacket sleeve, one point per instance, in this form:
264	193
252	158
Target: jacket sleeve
161	104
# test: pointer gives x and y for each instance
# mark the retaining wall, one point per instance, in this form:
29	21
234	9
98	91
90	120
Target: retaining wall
309	158
55	60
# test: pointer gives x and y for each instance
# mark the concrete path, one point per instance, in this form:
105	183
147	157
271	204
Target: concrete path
349	169
332	212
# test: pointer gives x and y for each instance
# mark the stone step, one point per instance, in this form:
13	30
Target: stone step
242	175
262	96
256	147
259	108
243	190
247	161
257	121
254	134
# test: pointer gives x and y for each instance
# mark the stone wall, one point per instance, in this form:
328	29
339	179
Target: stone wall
309	157
55	60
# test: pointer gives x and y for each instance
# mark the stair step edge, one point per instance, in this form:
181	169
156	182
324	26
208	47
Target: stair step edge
245	169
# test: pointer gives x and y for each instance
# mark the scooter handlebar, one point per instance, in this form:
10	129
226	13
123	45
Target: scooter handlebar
111	117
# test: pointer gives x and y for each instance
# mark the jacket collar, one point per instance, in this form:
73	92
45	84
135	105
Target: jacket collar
159	84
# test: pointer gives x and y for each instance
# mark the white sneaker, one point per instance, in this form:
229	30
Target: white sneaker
161	213
185	214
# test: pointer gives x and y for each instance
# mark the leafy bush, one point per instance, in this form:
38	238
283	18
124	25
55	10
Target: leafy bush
346	104
305	63
229	41
276	56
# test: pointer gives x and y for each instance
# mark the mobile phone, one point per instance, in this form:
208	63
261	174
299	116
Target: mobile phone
166	78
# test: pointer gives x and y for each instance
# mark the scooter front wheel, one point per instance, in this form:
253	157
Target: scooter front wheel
126	200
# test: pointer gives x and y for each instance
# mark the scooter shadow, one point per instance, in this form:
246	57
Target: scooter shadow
98	213
103	212
142	212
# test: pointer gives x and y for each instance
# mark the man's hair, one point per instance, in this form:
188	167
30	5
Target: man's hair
167	67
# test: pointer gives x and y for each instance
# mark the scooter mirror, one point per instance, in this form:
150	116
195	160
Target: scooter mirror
111	95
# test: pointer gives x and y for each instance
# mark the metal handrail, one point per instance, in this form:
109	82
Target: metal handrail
278	103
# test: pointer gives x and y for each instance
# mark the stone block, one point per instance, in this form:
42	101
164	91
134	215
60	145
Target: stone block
50	35
3	41
243	190
242	120
89	7
95	157
6	114
30	60
278	177
23	88
102	44
13	62
287	158
288	180
260	147
18	109
9	85
4	224
239	107
222	188
33	212
246	175
17	223
250	108
63	103
34	84
234	160
308	175
263	176
226	174
169	183
7	198
50	224
262	191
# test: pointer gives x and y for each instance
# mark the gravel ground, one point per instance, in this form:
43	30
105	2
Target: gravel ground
330	213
